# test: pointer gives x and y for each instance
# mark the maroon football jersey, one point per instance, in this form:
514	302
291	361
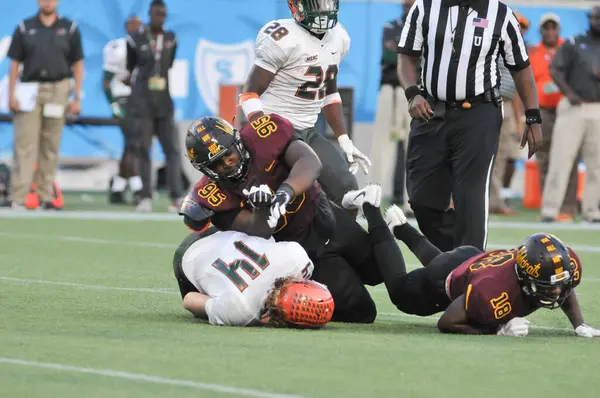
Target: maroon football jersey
266	139
489	282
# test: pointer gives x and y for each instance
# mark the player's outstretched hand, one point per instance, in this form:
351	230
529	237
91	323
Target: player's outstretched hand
282	197
584	330
356	158
516	327
259	197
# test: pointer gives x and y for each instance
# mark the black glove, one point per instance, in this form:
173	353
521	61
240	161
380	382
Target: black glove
259	197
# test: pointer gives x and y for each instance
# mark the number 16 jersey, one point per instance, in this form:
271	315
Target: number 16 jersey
303	65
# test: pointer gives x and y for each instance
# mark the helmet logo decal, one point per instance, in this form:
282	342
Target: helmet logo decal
532	270
215	149
191	153
206	138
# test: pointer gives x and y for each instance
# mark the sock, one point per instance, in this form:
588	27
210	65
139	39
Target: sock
417	243
387	252
119	184
135	183
377	227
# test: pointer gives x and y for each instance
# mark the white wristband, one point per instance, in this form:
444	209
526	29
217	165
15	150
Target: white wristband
251	106
332	99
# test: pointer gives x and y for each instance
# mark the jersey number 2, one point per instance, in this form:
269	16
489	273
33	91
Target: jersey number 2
231	270
309	90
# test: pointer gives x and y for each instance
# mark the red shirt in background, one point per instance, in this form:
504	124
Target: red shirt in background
540	58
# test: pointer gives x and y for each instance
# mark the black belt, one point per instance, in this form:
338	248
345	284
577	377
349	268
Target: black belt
468	103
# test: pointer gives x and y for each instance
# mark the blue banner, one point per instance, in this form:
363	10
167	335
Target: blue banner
216	40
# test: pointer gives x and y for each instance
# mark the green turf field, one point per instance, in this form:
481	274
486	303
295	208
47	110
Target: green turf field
89	308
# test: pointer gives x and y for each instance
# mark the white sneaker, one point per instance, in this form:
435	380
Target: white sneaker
394	217
371	193
145	206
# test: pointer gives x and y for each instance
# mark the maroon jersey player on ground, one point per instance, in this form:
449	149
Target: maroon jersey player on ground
262	181
479	292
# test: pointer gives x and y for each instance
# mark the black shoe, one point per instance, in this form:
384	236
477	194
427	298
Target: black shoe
48	206
548	219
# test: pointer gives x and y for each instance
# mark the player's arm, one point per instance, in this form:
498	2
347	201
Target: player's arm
251	222
456	320
195	303
304	164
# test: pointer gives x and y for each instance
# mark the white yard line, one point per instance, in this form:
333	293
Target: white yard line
132	216
140	377
91	287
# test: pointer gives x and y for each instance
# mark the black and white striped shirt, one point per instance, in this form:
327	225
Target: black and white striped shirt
460	45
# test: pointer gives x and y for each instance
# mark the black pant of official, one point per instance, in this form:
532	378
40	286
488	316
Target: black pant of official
168	137
452	154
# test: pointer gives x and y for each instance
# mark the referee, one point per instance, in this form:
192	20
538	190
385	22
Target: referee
457	112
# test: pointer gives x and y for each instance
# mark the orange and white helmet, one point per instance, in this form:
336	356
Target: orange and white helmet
303	304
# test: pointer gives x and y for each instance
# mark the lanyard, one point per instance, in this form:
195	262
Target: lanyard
157	50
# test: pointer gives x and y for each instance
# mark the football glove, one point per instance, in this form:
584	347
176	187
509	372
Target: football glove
584	330
355	157
282	197
259	197
516	327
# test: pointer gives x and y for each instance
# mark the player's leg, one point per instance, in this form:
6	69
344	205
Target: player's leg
335	177
353	303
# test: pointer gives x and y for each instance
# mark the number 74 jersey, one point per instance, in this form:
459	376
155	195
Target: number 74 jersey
237	271
303	65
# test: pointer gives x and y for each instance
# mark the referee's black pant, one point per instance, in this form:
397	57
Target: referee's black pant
451	156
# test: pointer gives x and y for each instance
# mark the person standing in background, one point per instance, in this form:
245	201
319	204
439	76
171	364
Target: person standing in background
576	71
508	144
49	49
550	95
116	88
392	121
150	55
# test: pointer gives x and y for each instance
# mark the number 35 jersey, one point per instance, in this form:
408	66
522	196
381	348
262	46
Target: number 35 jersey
237	271
303	65
493	293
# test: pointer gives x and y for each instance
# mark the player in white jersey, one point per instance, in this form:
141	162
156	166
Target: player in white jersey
234	279
117	90
295	74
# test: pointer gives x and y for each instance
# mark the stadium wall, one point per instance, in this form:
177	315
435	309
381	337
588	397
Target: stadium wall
216	46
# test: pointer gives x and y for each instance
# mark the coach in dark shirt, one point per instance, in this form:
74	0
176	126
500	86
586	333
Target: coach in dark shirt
575	69
150	55
49	49
457	111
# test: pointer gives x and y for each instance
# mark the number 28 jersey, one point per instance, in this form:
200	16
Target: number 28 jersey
303	65
237	271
